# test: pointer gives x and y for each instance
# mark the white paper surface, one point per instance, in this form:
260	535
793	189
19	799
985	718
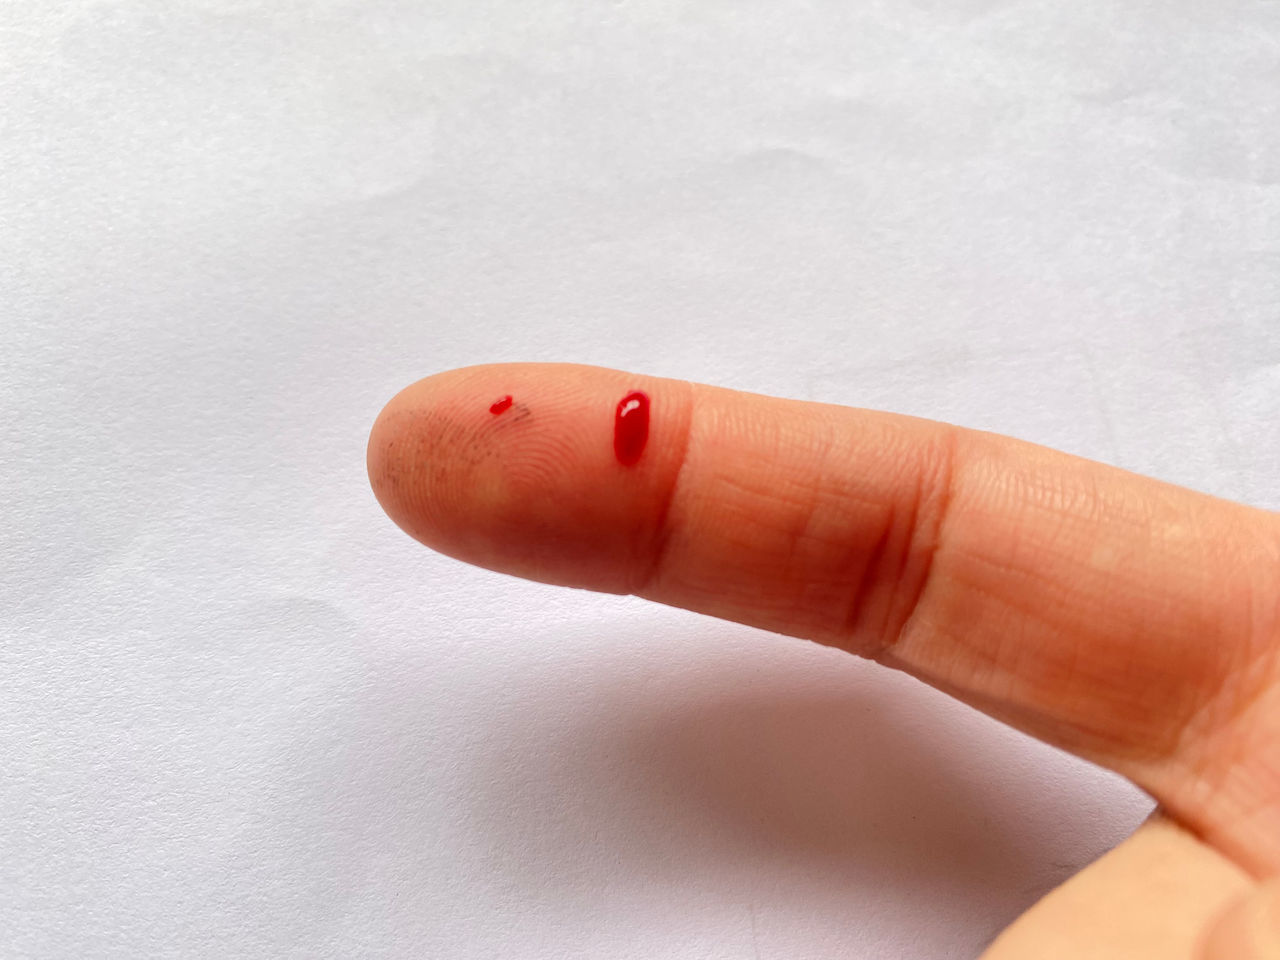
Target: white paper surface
242	715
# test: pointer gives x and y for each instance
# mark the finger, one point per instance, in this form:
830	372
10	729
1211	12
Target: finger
1248	930
1151	898
1124	619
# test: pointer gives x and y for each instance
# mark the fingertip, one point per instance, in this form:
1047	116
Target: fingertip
403	442
513	467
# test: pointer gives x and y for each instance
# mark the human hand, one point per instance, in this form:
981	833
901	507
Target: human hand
1131	622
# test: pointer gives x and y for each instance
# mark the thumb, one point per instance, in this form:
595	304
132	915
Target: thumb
1249	929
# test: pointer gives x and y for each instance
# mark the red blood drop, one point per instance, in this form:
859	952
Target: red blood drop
499	406
631	427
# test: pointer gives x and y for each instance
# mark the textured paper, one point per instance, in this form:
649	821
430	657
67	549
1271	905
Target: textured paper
241	715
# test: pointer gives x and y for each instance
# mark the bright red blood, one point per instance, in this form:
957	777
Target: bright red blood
498	406
631	427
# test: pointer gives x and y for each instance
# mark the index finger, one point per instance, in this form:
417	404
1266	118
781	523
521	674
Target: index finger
1105	612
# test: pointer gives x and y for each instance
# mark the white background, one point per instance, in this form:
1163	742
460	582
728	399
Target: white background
242	715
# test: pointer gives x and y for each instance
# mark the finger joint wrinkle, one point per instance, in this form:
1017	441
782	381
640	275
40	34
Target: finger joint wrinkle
661	535
904	557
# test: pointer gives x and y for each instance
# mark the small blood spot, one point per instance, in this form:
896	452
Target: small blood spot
498	406
631	427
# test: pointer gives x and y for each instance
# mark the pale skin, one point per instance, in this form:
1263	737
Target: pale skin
1134	623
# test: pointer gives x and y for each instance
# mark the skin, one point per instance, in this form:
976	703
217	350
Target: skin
1131	622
